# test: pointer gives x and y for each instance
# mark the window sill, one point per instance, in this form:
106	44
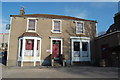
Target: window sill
30	31
80	33
56	32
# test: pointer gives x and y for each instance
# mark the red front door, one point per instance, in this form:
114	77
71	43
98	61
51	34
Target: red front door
56	48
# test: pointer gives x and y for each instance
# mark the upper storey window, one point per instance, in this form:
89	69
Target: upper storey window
56	27
31	24
79	27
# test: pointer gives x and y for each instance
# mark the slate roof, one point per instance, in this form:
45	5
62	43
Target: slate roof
30	34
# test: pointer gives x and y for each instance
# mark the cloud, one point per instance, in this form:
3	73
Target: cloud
82	14
75	12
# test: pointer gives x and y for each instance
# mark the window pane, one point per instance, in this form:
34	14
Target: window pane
57	26
76	46
29	44
38	48
29	48
79	27
31	24
38	43
21	43
84	46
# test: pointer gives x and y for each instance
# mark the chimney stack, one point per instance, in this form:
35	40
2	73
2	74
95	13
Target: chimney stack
22	11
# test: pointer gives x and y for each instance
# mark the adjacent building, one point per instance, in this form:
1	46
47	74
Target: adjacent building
45	39
108	45
4	41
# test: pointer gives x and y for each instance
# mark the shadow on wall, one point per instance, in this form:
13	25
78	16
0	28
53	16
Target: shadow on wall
47	61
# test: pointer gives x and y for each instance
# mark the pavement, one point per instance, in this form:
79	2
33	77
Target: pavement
59	72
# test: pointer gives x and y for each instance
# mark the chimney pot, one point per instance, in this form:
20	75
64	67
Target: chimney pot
22	11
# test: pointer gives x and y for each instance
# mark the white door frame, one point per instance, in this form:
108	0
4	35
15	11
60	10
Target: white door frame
61	44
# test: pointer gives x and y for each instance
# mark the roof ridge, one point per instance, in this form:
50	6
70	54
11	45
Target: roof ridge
52	15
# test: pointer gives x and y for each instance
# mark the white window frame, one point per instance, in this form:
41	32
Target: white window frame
24	58
27	30
86	58
53	26
77	27
80	39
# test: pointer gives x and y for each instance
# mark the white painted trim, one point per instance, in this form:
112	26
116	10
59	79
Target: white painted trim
78	39
83	27
32	38
96	30
53	25
40	52
23	51
28	24
81	50
19	45
35	51
26	58
89	55
9	40
61	44
89	51
71	57
22	59
55	32
74	37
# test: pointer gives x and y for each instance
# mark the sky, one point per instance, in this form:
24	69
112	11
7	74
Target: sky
102	12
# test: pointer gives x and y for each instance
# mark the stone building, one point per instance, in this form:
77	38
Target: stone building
45	39
108	45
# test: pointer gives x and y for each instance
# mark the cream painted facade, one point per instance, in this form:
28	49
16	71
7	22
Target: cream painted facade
44	27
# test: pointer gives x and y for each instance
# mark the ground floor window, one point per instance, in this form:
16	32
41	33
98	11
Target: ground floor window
38	48
29	49
76	46
85	49
29	45
80	49
76	49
